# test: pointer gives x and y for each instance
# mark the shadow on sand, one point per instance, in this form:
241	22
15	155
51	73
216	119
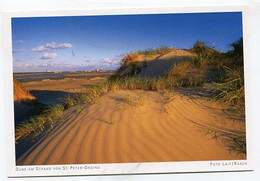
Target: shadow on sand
49	98
23	111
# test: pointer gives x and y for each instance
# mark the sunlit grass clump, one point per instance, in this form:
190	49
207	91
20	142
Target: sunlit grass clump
231	90
133	101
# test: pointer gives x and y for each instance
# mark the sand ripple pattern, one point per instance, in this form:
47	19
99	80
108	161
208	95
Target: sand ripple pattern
151	132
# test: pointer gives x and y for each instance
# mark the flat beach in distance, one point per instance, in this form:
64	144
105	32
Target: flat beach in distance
50	88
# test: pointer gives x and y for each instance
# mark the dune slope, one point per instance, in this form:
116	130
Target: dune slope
20	94
164	63
157	64
147	127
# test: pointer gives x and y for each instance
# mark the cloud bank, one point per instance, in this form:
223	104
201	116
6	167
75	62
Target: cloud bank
60	66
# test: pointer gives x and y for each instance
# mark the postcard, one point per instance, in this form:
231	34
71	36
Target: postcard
127	91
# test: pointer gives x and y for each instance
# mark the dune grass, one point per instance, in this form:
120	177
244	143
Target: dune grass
229	85
160	50
235	142
186	74
36	125
133	101
168	97
231	90
131	58
79	108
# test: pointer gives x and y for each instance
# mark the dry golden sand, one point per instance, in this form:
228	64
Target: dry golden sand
142	131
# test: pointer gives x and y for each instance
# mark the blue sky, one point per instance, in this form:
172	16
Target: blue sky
89	42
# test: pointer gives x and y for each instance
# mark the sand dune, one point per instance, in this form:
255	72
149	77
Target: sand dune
164	63
157	64
21	94
159	67
143	130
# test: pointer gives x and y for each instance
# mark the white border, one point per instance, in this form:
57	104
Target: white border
120	168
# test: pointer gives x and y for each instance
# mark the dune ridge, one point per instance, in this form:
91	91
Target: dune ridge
158	64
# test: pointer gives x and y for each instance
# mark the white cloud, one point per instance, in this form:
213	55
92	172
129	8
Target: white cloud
18	50
49	56
110	61
40	49
52	46
64	45
107	60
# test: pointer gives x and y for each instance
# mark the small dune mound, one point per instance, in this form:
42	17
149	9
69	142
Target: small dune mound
20	94
152	64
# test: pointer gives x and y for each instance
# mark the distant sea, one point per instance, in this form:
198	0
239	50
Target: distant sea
39	76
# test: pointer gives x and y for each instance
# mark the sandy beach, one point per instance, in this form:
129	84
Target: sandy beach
52	91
